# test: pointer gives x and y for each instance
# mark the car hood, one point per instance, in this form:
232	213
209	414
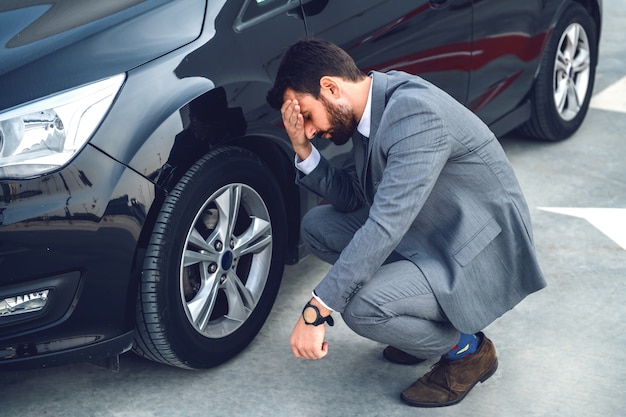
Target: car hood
52	45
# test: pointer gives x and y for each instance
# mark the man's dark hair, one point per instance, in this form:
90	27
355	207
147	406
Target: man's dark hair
305	63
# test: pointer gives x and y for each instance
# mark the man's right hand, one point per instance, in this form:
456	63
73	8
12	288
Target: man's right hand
294	125
307	342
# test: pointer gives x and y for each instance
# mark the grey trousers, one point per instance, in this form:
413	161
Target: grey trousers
396	306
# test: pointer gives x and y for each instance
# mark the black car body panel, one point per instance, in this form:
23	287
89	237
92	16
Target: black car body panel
80	42
81	231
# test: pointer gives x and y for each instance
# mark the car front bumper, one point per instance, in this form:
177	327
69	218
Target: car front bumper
69	241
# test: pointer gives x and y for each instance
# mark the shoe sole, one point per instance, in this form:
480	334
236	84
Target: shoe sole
391	359
482	378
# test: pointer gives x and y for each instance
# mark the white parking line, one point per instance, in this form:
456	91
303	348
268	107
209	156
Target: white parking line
612	98
610	221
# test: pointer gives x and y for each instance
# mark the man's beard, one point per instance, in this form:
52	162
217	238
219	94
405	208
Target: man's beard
342	122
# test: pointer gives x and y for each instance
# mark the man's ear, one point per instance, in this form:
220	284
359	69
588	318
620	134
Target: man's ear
330	85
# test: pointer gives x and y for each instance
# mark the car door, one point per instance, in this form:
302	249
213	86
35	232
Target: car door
508	37
428	38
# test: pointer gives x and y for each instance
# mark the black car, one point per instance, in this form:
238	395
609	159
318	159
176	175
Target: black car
147	195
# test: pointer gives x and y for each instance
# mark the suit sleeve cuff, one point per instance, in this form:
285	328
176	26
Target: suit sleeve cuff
321	302
309	164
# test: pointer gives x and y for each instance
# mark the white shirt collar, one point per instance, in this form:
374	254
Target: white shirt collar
364	124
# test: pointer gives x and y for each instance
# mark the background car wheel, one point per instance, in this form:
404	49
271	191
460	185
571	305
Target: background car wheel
214	262
564	84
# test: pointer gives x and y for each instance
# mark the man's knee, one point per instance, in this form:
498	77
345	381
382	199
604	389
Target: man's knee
310	227
361	311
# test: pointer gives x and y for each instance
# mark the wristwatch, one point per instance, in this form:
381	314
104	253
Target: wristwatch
312	316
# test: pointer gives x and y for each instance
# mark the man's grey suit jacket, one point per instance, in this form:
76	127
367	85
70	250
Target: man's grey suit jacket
441	193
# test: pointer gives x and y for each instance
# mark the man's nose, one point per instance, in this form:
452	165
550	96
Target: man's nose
309	130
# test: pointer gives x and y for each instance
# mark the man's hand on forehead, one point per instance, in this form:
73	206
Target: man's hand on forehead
293	120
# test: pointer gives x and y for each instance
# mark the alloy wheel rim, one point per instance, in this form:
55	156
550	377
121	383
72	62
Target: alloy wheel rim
226	260
572	67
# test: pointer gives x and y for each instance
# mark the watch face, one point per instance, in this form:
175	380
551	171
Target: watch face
310	315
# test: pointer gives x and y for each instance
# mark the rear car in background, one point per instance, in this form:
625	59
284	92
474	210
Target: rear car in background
147	199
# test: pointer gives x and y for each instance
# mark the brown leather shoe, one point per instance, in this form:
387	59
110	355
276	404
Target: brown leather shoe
449	381
396	355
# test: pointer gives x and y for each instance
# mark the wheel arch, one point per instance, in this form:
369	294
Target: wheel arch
276	156
231	130
593	7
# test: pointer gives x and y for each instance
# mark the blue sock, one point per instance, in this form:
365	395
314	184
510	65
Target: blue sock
468	343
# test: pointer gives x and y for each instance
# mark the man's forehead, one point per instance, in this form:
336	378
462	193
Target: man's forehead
291	94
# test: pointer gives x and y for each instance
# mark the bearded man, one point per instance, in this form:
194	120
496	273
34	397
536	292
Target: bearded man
427	230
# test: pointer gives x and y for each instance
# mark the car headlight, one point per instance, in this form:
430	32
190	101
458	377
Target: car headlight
43	135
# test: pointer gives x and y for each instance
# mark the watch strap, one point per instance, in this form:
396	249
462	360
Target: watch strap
319	319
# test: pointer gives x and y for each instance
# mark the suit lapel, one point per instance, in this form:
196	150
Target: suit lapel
379	86
360	145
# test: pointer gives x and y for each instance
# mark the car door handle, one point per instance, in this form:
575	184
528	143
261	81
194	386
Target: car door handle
434	4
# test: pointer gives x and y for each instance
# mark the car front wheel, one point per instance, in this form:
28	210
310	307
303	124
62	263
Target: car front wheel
564	84
213	264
